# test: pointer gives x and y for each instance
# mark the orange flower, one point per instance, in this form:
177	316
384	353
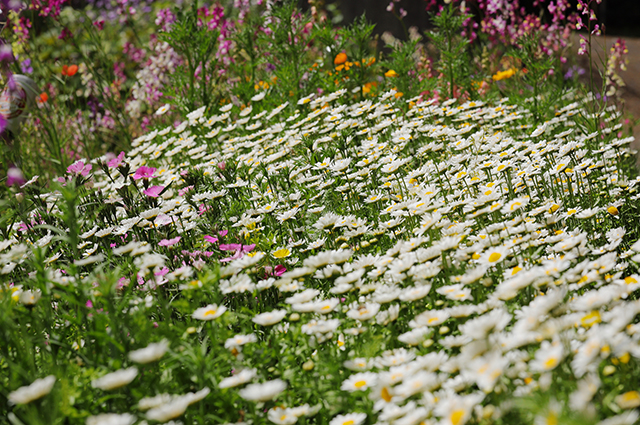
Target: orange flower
70	70
340	58
390	73
44	97
501	75
366	89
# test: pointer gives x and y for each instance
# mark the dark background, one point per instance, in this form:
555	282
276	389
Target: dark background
620	17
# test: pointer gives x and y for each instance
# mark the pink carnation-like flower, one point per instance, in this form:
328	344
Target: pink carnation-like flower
163	220
153	191
79	168
115	162
144	172
239	249
169	242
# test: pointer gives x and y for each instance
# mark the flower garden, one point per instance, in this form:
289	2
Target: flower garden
366	238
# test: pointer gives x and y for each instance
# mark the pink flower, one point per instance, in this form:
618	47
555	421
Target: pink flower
203	209
78	168
223	232
122	282
153	191
222	165
89	304
163	271
230	247
144	173
182	191
239	249
115	162
211	239
169	242
163	220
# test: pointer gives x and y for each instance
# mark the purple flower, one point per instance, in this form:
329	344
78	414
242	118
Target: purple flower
79	168
115	162
144	173
153	191
25	66
15	177
164	19
169	242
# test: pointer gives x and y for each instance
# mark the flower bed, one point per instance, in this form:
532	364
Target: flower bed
382	261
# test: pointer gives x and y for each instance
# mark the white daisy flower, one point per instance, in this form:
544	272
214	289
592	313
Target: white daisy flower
163	109
210	312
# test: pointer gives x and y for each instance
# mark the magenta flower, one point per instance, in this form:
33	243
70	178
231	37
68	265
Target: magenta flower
65	34
144	173
6	53
153	191
15	177
279	270
223	232
211	239
169	242
79	168
115	162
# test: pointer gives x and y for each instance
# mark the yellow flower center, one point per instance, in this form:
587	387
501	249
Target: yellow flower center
551	363
591	319
456	416
494	257
282	253
631	396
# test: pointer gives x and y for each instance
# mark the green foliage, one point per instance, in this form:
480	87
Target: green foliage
287	46
452	47
197	45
